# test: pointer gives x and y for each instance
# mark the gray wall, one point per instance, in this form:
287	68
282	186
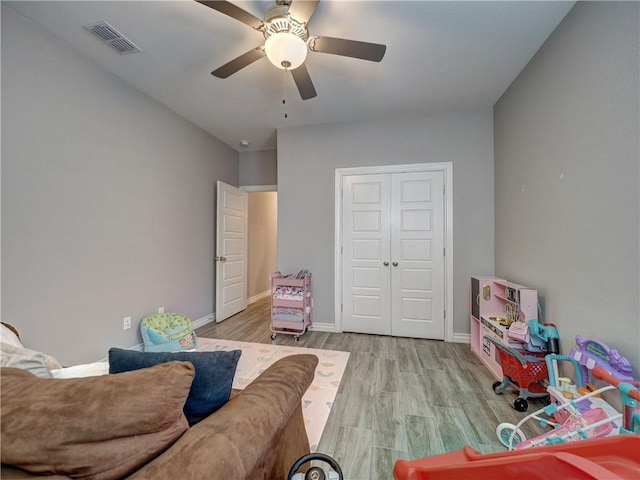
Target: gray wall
308	157
258	168
262	244
107	201
567	175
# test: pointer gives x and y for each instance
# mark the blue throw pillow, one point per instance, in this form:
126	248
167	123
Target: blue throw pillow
211	386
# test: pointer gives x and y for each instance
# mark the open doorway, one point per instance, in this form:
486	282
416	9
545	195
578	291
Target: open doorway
262	243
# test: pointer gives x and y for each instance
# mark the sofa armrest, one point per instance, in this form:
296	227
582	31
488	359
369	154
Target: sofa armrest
259	433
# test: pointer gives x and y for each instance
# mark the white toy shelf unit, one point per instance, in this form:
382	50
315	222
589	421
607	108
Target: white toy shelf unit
290	303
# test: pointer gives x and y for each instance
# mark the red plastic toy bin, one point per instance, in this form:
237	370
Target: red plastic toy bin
611	458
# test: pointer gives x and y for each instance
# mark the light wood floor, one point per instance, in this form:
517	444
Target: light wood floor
400	398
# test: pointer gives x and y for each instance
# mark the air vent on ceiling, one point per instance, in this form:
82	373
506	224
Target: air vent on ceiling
112	37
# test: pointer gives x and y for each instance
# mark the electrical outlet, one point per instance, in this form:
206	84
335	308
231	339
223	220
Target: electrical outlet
126	324
161	310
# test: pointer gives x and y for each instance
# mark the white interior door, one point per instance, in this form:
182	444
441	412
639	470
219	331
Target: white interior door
366	248
231	251
393	254
417	255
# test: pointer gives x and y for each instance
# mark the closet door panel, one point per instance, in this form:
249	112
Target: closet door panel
417	254
366	247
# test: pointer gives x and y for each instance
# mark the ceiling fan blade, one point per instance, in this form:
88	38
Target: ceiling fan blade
238	63
303	82
348	48
302	10
233	11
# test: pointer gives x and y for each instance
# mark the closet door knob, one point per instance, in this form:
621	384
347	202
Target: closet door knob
386	264
395	264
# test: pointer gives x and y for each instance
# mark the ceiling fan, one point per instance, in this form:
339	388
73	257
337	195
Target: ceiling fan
287	41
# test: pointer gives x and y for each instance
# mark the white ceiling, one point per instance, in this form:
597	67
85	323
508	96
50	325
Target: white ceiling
441	55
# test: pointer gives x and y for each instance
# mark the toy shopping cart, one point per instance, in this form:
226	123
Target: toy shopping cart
526	373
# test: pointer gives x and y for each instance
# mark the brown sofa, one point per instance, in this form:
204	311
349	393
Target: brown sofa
257	434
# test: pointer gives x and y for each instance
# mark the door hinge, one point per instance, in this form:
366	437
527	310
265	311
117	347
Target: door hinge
445	314
340	250
340	307
444	251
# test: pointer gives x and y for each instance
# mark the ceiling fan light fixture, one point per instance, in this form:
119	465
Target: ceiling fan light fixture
286	50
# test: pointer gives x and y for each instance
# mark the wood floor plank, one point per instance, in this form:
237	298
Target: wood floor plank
362	367
408	360
428	355
414	395
464	354
329	437
353	452
423	437
359	406
388	422
484	419
383	346
383	460
387	374
438	388
453	425
459	376
443	349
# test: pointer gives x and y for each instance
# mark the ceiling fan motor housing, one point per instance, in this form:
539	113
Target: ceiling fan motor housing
278	20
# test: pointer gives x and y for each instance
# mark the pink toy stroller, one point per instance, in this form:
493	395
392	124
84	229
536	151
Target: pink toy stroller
594	423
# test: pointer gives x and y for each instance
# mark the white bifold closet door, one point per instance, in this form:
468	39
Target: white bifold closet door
393	254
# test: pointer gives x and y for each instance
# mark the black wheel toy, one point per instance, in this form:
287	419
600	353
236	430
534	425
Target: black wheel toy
520	404
334	472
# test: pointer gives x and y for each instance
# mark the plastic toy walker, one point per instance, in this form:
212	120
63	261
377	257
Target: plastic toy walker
594	423
578	411
585	358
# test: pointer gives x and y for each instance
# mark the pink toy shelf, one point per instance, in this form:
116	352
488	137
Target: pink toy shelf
495	304
290	303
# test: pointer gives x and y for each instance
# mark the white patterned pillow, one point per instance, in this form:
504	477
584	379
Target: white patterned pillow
8	336
38	363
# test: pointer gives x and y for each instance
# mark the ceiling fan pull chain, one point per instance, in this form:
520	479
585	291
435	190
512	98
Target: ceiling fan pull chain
284	101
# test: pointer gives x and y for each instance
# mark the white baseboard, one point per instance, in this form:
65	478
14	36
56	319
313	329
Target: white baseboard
331	328
203	321
461	338
259	296
323	327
